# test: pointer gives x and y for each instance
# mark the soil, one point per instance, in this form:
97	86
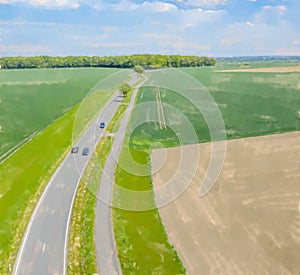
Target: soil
249	223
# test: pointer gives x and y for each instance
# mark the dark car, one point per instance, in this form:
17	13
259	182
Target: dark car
75	149
85	151
102	125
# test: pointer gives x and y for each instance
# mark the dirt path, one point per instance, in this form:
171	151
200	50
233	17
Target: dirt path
250	222
289	69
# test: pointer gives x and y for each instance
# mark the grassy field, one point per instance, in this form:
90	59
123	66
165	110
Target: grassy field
254	103
148	132
30	100
23	177
25	174
250	104
255	64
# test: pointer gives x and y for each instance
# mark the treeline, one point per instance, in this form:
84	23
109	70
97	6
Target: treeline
147	61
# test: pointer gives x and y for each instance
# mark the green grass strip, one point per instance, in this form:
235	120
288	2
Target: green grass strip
82	253
142	242
81	249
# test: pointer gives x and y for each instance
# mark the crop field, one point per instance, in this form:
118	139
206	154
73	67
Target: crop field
172	109
251	104
30	100
25	174
256	103
249	223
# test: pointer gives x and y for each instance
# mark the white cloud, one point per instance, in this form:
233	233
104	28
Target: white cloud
158	6
126	5
229	41
296	42
287	51
24	49
115	45
193	17
190	46
202	3
73	4
175	42
259	37
90	37
33	23
270	14
110	28
121	6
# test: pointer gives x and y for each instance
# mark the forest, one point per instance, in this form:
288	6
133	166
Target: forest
147	61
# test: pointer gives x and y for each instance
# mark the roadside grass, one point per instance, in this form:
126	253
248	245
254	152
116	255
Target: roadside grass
26	173
142	242
81	248
117	118
113	127
30	100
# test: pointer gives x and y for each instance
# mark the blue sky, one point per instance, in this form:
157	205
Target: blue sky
198	27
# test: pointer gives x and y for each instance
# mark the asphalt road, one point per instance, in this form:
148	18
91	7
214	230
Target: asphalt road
107	258
44	246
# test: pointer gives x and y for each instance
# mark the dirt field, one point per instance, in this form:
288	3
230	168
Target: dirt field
250	222
289	69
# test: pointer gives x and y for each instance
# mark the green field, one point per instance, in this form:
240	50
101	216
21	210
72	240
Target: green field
142	243
254	103
30	100
250	104
25	174
22	176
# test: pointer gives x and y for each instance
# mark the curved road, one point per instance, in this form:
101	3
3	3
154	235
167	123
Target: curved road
107	258
44	246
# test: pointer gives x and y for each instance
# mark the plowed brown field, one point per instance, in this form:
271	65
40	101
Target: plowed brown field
249	223
288	69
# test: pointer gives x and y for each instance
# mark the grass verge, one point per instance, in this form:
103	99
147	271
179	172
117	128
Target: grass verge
81	249
142	242
82	253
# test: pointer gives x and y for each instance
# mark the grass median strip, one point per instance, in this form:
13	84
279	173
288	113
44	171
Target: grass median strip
81	249
82	253
142	242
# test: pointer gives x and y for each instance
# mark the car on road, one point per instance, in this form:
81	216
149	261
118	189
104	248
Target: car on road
85	151
75	149
102	125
